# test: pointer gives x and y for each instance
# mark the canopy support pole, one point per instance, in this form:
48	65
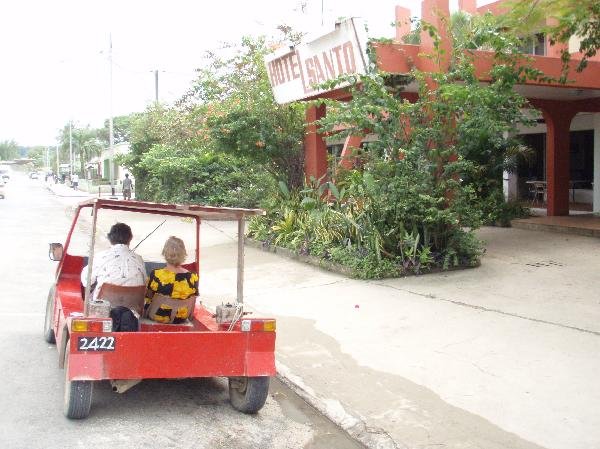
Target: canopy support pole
90	264
240	261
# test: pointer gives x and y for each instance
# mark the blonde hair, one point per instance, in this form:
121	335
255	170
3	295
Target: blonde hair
174	251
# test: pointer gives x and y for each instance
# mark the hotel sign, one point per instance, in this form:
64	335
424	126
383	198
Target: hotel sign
295	73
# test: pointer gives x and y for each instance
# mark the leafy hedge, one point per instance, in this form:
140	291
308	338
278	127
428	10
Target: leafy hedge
205	177
359	227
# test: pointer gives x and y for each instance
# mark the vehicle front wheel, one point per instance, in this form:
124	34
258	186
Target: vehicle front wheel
78	394
49	336
248	394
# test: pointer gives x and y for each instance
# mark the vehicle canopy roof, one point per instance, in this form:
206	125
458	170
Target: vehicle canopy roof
182	210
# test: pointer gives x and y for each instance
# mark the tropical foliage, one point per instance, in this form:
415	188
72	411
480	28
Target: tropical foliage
226	142
240	116
9	149
433	174
416	193
201	176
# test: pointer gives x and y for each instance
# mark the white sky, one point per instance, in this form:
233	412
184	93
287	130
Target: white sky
54	52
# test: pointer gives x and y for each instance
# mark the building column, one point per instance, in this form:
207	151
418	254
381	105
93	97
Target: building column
402	22
348	156
468	6
437	13
315	149
596	200
558	121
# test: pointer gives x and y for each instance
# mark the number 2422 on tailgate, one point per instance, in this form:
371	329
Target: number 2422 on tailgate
96	343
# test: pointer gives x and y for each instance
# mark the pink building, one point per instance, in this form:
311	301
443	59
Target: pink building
567	139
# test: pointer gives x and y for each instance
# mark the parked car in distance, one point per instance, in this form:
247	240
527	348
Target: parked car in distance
33	175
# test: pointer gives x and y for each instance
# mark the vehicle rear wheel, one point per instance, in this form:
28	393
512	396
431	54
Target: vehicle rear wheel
78	394
49	336
248	394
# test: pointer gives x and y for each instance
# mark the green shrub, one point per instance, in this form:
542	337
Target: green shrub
203	177
376	225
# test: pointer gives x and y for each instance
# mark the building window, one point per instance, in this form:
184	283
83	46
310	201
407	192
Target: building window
534	45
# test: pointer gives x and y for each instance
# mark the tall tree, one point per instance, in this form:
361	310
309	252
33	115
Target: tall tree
8	150
241	115
121	129
85	144
157	126
38	154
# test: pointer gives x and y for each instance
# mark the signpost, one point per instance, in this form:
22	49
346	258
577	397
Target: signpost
295	72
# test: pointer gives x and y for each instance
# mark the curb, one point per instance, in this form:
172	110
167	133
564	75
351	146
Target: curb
557	229
76	193
73	195
332	409
308	259
337	268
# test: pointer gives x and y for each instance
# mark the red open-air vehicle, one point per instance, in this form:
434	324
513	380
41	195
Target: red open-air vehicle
225	344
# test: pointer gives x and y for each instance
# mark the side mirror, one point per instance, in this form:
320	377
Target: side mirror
56	251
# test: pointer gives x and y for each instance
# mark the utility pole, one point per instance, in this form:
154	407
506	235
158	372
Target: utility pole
322	12
111	137
70	148
57	162
156	85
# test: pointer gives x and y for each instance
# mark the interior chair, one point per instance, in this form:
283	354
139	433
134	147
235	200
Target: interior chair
540	193
532	193
120	295
174	304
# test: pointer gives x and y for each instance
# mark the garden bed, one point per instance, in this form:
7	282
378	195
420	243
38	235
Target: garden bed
336	267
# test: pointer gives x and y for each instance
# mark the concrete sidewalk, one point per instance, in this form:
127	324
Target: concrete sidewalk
64	190
502	356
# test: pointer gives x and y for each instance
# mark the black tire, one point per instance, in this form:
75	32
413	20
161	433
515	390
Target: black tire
248	394
49	336
78	394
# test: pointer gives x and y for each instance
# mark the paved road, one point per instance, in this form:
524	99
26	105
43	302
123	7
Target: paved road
154	414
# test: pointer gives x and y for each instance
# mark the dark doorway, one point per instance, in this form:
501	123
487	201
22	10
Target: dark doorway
582	159
533	168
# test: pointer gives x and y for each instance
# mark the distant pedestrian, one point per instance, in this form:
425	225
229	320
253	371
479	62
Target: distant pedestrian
75	181
127	187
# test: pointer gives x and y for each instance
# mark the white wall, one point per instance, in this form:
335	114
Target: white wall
580	122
